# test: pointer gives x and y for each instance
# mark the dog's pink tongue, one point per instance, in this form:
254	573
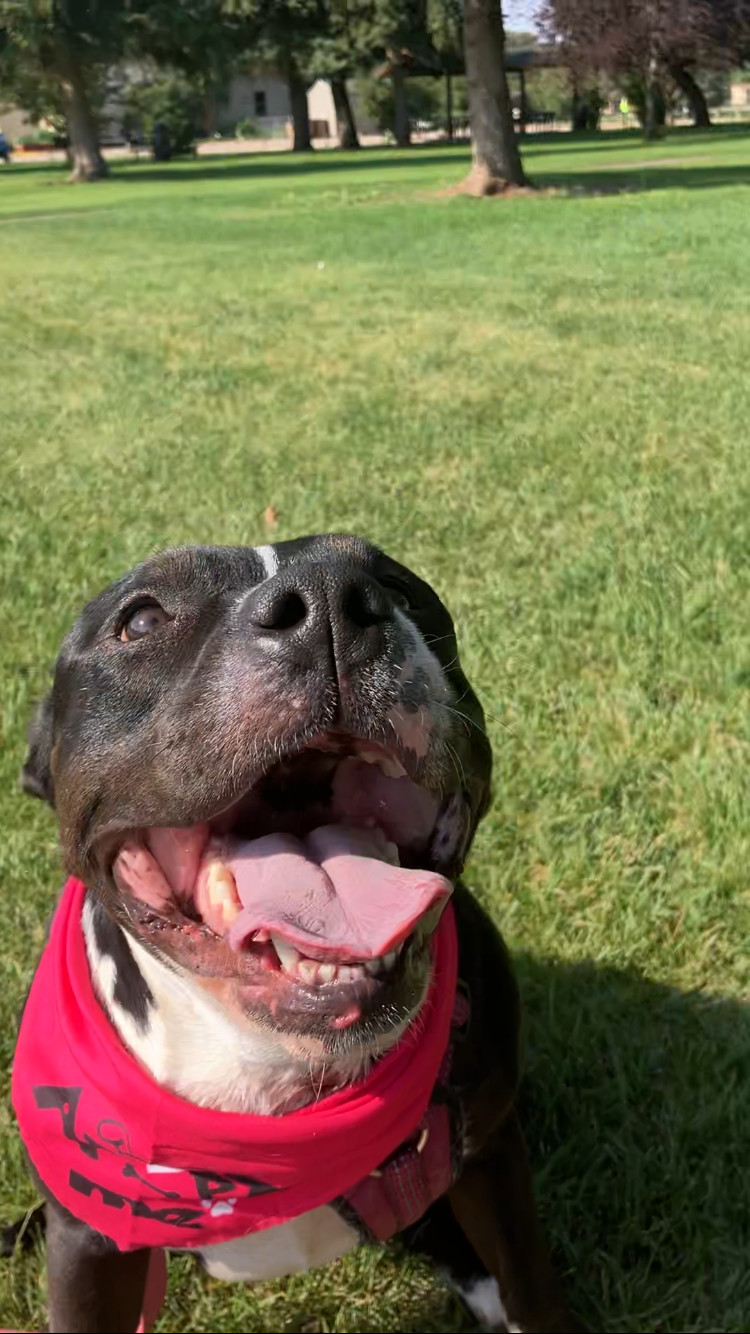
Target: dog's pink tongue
333	893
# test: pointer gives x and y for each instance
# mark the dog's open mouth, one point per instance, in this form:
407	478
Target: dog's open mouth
323	871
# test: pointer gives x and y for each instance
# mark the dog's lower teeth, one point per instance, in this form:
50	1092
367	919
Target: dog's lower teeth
312	971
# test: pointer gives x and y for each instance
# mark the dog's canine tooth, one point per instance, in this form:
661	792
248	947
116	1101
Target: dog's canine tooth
230	911
289	957
222	891
374	966
392	768
389	959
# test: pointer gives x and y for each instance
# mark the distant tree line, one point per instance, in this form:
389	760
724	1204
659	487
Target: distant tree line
56	57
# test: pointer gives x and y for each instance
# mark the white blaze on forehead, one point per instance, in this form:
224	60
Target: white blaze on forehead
270	560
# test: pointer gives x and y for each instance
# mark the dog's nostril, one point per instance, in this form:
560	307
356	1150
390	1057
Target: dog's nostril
282	613
364	605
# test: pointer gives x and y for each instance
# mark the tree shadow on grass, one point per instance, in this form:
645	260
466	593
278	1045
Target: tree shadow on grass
661	174
643	177
665	169
272	165
574	141
635	1111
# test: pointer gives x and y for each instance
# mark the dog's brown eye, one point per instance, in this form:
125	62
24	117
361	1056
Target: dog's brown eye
145	621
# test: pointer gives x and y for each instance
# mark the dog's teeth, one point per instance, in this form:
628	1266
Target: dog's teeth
222	892
308	970
374	966
391	854
391	767
220	884
289	957
389	959
328	972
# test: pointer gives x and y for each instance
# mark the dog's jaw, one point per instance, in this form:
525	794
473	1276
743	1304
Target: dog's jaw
200	1047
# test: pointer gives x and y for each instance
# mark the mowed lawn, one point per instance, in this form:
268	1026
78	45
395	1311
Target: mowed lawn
542	404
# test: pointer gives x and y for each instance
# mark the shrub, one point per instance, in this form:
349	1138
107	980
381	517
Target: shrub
423	101
169	112
39	139
246	129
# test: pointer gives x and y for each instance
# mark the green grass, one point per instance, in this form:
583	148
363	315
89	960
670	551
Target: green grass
542	405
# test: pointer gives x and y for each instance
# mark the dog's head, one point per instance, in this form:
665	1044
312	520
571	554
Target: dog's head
269	765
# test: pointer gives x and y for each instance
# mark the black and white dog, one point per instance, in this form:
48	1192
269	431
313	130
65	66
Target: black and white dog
267	767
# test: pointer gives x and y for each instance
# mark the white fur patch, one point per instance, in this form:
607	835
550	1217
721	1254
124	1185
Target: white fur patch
191	1045
316	1238
270	560
482	1296
195	1047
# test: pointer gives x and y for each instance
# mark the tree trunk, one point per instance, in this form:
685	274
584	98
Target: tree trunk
449	107
401	126
497	162
650	102
694	94
298	103
84	153
345	122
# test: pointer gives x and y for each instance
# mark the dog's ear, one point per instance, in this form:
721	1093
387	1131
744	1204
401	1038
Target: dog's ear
36	775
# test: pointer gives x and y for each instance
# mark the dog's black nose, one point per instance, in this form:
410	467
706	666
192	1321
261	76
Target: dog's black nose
311	611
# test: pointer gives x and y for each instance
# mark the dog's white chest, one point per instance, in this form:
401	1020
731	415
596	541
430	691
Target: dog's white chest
315	1238
192	1047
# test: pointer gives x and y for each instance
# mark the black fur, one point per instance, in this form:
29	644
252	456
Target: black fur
132	991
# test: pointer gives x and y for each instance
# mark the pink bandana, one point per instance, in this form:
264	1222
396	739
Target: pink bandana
147	1168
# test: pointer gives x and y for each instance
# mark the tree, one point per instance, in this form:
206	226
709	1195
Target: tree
496	159
650	41
281	34
692	91
422	101
445	25
336	56
393	35
55	54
